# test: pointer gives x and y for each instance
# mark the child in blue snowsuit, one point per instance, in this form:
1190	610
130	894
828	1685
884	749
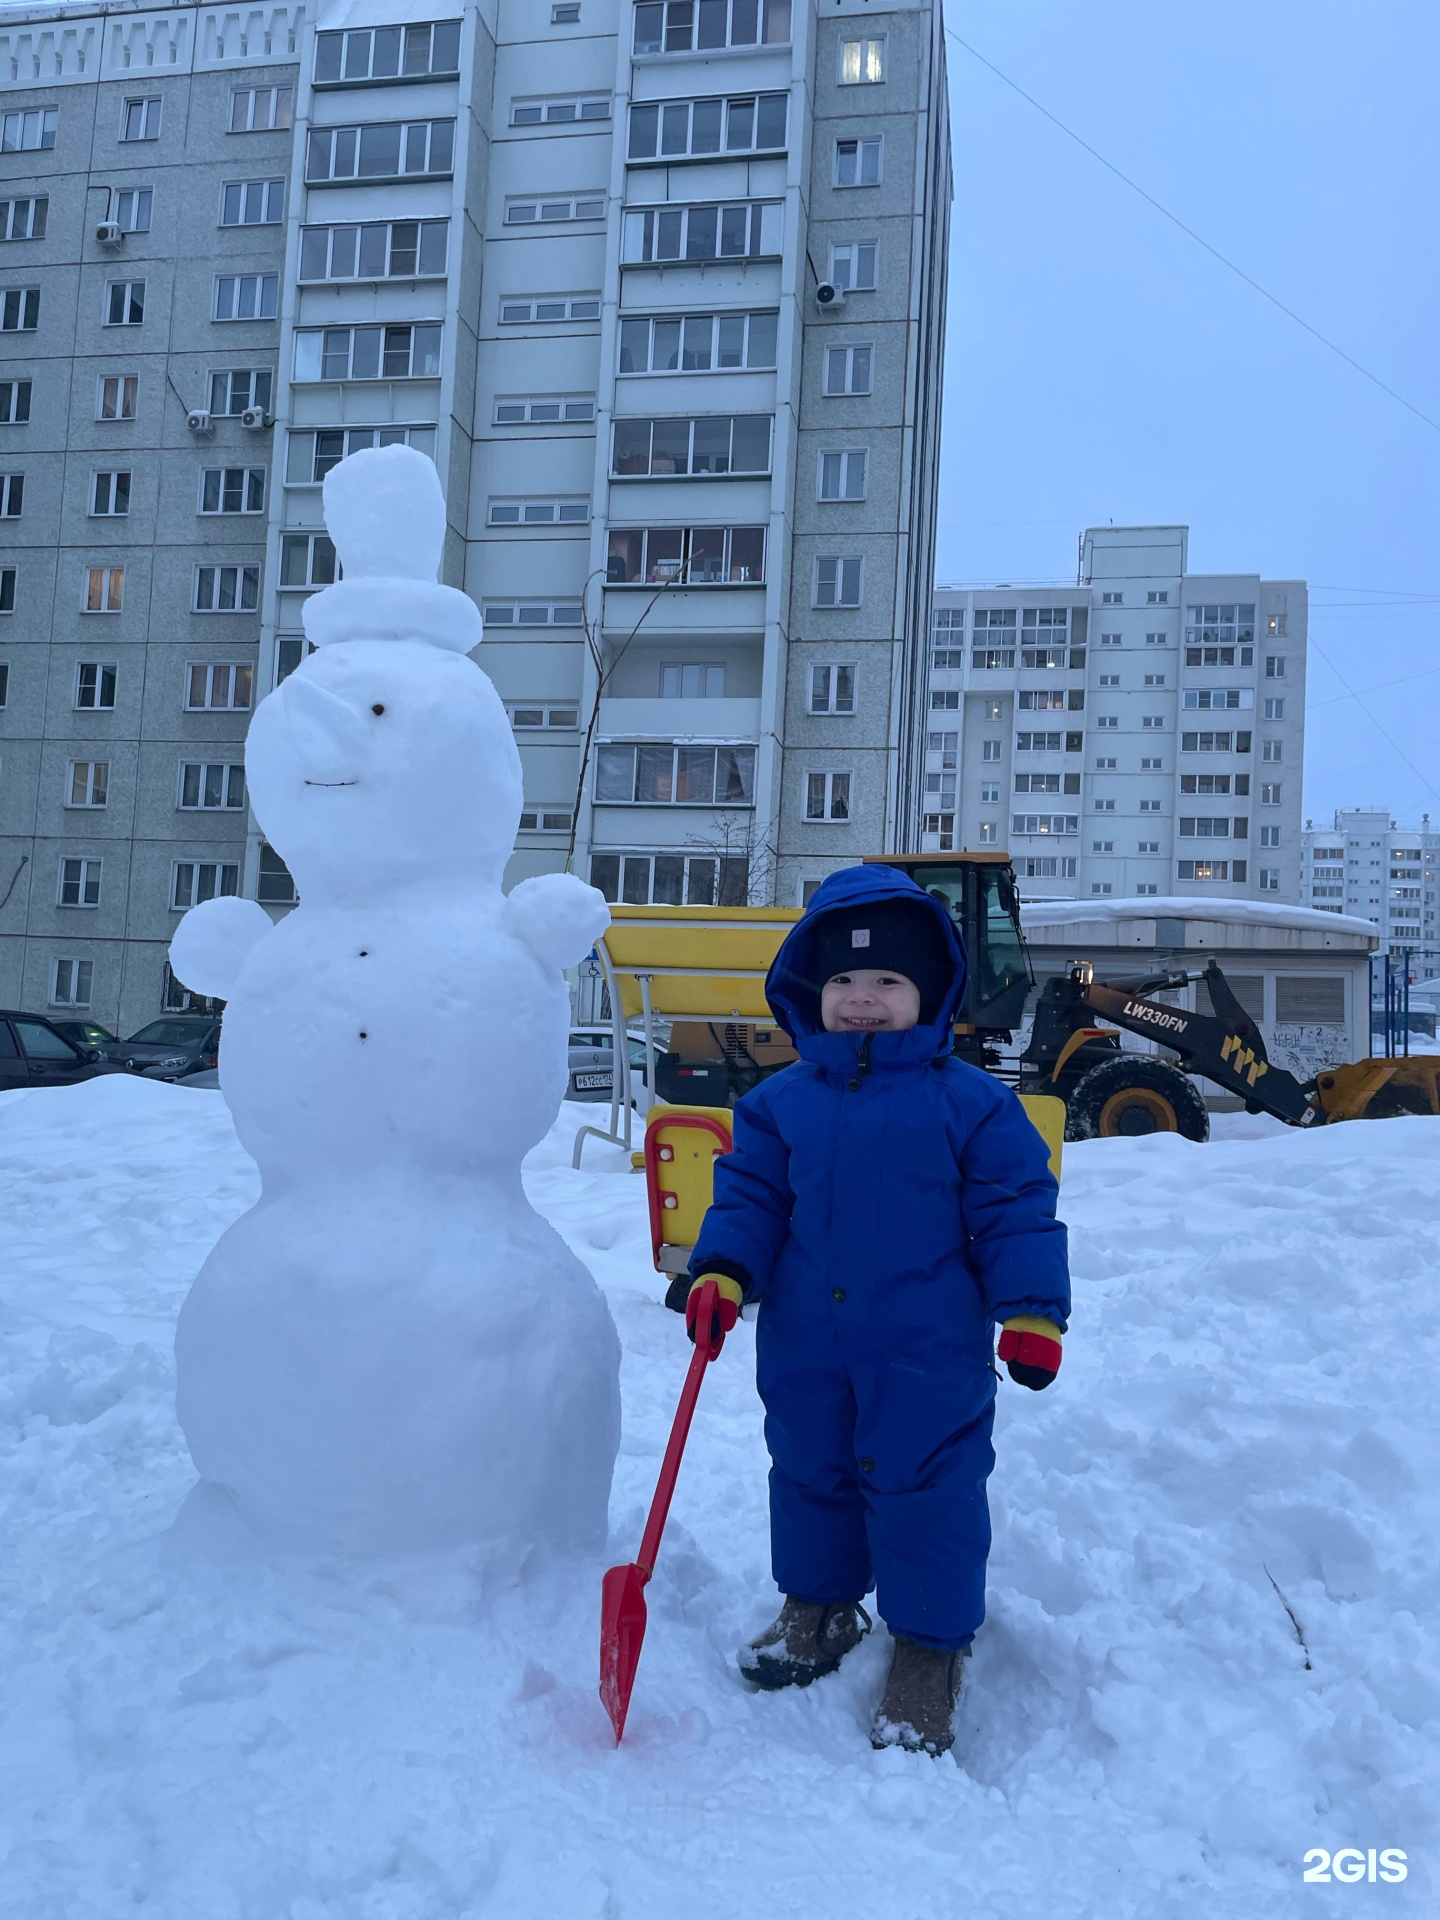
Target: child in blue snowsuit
887	1205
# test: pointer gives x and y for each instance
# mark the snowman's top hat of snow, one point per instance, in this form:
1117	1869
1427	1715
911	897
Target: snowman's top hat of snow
386	514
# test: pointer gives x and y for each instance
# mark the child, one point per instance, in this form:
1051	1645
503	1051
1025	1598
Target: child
885	1204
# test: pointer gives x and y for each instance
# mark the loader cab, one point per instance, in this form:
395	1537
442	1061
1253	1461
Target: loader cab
979	891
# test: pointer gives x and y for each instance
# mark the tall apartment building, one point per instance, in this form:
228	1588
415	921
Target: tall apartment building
1141	732
1363	864
659	284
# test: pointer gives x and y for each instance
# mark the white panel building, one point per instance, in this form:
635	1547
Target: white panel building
1364	864
1139	733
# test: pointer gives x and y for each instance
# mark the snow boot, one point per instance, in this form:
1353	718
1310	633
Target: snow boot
804	1643
919	1704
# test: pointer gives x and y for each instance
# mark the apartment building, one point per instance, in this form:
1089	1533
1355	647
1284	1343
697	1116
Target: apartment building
1364	864
1138	733
659	285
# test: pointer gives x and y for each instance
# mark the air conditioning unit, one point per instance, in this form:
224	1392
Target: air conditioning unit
827	295
198	420
255	418
109	233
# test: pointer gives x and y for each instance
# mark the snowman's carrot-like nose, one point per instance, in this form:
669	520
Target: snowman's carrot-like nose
332	741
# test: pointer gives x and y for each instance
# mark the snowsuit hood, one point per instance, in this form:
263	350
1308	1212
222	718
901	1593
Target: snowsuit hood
794	993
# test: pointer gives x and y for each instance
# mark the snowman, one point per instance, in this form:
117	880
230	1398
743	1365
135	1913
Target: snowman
391	1351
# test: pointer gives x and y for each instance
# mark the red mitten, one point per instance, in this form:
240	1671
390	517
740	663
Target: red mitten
1030	1348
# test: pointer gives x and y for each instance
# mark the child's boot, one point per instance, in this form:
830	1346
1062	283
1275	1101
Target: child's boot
804	1643
919	1704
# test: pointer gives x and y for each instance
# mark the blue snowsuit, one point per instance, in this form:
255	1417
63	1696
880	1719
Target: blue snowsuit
885	1212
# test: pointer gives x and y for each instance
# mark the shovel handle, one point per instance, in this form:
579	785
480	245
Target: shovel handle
706	1349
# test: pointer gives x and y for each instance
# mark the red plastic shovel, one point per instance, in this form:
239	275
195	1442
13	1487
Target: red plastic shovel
622	1592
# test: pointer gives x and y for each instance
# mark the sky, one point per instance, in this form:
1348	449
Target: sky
1103	366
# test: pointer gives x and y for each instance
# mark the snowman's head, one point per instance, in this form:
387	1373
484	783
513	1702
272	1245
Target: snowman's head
387	757
382	763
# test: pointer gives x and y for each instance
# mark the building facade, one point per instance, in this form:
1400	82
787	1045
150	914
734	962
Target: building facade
1139	733
659	285
1365	865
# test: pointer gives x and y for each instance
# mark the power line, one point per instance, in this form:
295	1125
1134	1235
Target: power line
1373	721
1190	233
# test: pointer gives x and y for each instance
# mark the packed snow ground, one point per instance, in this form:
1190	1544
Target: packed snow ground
1246	1405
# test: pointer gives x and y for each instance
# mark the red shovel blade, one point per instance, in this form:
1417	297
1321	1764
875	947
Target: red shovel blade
622	1632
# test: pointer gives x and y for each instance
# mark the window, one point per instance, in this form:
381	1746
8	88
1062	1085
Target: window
1043	700
990	749
87	782
252	202
1048	867
1105	763
698	342
565	13
226	589
1212	742
1232	623
531	410
676	129
563	306
540	511
1157	599
368	353
1104	806
211	785
1157	640
1110	721
78	884
140	119
742	230
23	219
546	819
70	982
223	686
104	589
1109	680
1270	794
1032	823
1111	640
124	303
692	680
1206	869
238	389
193	881
7	601
1212	699
1274	709
1103	886
852	265
1147	846
12	495
1274	666
1272	750
381	150
696	556
19	309
827	796
666	775
311	453
1205	826
682	26
247	296
1050	659
862	62
1269	879
670	879
1152	765
388	53
116	396
308	560
533	613
232	490
837	580
380	250
1219	656
832	689
847	370
1155	721
261	109
841	475
986	659
1270	837
30	130
567	110
130	209
95	687
713	444
527	210
274	886
1154	679
534	716
857	162
1044	782
989	793
1112	599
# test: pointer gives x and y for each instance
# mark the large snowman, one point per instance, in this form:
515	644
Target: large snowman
391	1350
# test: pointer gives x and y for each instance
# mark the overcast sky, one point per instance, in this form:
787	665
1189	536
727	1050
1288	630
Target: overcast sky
1103	366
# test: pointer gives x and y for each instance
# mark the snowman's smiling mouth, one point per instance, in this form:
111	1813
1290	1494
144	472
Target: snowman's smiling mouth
332	783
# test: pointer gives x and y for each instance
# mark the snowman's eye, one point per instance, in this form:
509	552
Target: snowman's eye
377	708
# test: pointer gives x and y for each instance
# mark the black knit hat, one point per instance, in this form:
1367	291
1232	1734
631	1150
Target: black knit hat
895	936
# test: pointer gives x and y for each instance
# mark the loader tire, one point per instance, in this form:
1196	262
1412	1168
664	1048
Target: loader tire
1134	1095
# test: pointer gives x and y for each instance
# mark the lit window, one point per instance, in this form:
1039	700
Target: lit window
862	62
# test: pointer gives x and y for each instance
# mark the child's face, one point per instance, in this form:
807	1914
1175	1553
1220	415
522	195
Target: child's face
867	1000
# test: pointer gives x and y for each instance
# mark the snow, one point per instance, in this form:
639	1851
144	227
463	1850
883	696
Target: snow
1256	913
392	1311
194	1732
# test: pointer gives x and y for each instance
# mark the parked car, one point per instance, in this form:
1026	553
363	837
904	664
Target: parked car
171	1048
592	1062
86	1033
34	1054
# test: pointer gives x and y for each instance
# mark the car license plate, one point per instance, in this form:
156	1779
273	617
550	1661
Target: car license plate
592	1081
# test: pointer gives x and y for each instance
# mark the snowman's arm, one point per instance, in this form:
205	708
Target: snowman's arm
212	943
557	916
